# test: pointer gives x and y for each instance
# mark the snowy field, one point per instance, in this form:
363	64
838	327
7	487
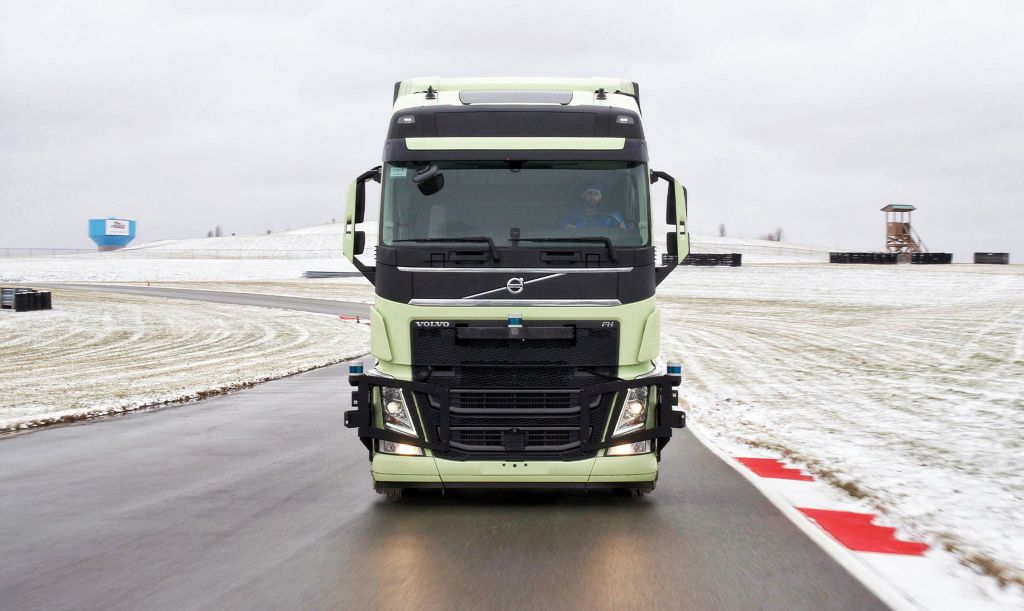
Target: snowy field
112	267
285	256
902	385
96	354
341	289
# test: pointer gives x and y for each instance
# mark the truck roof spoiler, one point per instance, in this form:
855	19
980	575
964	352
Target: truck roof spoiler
439	84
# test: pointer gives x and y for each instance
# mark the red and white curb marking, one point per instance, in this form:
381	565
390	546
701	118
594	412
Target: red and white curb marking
903	572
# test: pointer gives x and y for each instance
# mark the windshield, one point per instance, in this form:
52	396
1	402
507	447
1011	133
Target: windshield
512	202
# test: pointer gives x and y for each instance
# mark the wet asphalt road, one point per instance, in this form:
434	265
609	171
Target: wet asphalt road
262	499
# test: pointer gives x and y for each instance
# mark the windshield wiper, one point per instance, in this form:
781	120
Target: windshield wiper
600	239
481	238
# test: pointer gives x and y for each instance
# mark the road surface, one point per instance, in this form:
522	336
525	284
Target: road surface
262	499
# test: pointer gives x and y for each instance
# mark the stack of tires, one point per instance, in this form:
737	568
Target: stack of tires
931	258
992	258
883	258
728	259
25	300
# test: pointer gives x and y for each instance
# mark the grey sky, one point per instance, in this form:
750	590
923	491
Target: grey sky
256	115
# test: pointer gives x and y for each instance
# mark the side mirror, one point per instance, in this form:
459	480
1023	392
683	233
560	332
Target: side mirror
678	207
678	241
354	242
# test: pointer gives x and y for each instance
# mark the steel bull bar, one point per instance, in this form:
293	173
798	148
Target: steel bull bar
361	417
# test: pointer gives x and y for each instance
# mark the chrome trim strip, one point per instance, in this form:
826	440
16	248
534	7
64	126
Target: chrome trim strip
517	270
518	303
503	288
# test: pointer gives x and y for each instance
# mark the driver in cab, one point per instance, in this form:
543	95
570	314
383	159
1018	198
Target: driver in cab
589	213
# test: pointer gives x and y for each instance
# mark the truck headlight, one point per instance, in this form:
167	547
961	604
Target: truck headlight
396	413
633	415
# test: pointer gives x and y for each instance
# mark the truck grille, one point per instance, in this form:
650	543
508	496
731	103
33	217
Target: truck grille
519	400
495	424
510	397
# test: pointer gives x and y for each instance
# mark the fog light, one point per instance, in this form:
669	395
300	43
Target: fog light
390	447
629	449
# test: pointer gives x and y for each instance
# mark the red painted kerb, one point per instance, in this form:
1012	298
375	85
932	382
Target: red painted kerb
856	532
772	468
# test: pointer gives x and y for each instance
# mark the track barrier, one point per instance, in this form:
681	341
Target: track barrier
997	258
880	258
727	259
931	258
25	299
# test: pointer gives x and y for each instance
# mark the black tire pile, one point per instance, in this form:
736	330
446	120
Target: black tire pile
728	259
25	300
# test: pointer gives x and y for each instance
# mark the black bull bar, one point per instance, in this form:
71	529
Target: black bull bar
666	418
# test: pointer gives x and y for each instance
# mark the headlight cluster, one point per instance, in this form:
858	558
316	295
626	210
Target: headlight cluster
633	415
397	418
396	413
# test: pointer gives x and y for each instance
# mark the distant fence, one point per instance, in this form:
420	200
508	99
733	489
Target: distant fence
43	252
730	259
789	250
998	258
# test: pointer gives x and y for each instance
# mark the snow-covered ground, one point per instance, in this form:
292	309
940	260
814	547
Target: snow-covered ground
356	289
114	268
286	255
902	385
98	353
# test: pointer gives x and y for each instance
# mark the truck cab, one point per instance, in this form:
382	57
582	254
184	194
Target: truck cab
514	331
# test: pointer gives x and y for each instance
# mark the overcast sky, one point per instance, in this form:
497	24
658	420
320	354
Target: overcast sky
809	116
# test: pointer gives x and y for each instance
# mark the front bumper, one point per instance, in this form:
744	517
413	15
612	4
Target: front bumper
429	472
593	437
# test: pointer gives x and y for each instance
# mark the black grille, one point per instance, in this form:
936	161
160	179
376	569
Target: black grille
511	397
525	440
492	424
520	400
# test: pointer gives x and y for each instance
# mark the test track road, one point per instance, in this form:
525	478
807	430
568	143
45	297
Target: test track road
262	499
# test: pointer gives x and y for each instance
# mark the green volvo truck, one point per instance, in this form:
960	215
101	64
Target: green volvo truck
514	333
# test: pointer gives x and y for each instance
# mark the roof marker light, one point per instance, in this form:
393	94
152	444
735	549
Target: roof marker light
407	119
624	120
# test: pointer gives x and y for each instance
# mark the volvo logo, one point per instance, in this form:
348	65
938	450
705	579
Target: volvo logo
514	285
432	323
